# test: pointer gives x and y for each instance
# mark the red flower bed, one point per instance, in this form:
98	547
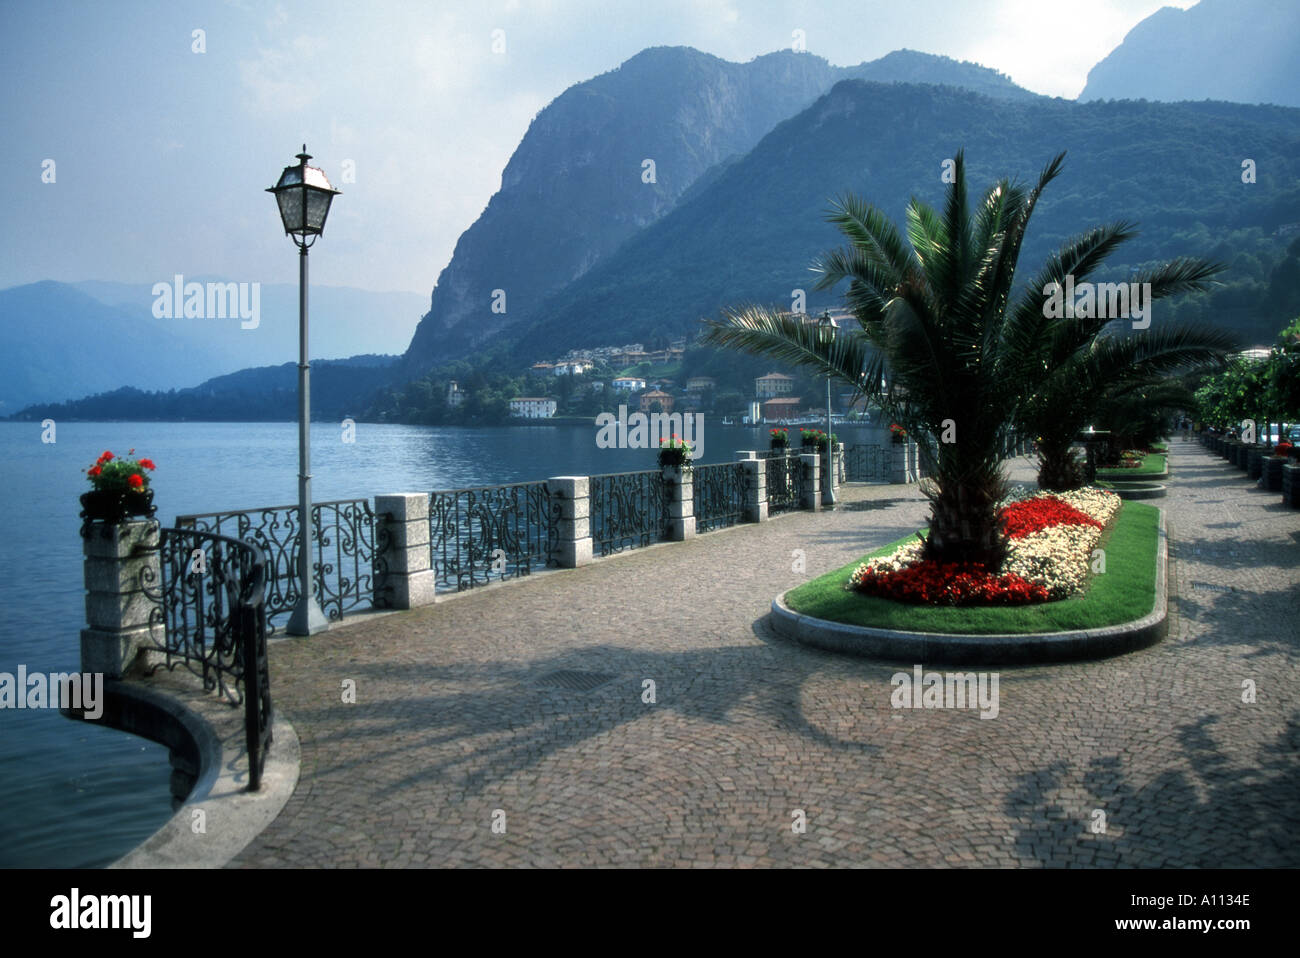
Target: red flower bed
951	583
1022	518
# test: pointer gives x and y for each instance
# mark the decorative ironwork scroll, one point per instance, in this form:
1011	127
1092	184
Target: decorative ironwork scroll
209	614
719	496
347	543
491	533
784	484
629	510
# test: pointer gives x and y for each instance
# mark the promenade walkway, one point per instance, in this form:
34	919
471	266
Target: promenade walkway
460	716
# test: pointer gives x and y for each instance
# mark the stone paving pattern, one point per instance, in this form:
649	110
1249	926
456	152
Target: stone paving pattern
452	722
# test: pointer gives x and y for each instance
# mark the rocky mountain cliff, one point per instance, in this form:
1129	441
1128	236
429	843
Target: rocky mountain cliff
581	182
1247	51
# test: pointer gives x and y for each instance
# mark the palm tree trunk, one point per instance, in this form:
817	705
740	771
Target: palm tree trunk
964	524
1059	469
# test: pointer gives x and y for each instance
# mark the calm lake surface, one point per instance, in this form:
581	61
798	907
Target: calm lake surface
73	794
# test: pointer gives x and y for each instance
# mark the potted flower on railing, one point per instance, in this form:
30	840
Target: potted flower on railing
120	489
780	440
897	433
813	438
674	454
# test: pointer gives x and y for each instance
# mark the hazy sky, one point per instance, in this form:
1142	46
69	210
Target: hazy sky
161	153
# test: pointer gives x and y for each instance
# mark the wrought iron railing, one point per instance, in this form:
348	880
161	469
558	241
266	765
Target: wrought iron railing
719	496
209	614
867	462
784	484
628	510
492	532
348	548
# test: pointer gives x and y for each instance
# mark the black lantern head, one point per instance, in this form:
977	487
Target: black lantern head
304	195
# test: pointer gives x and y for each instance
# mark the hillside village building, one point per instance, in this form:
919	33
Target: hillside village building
783	408
773	385
532	407
648	399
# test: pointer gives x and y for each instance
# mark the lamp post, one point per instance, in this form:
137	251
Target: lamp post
303	195
827	325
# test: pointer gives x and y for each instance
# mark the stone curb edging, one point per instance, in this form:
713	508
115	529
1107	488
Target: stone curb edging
1145	477
943	648
207	733
1137	490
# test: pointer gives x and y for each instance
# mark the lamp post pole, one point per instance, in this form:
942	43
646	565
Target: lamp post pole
307	618
828	324
303	194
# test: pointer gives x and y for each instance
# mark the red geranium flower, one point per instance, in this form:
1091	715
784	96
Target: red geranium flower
1033	515
147	464
956	583
94	470
135	481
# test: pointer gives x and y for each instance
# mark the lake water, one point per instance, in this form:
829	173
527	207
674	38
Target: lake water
73	794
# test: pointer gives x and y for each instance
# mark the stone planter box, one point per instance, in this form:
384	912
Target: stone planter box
1254	462
1273	473
1291	485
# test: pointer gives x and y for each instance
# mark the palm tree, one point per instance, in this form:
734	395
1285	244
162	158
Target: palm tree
963	350
1107	362
1138	414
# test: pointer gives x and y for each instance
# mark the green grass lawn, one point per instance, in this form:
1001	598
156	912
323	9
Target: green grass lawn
1126	591
1159	447
1151	465
653	371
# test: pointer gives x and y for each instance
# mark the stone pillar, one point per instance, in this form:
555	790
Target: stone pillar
573	494
408	579
831	487
755	489
902	461
681	502
811	472
743	454
121	559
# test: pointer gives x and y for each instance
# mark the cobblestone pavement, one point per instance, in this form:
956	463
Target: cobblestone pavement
454	721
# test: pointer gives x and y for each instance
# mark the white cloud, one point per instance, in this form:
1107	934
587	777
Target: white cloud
1049	47
288	77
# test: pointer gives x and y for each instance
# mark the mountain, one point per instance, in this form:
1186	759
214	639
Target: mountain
750	234
344	321
909	66
70	340
56	346
579	184
1246	51
339	388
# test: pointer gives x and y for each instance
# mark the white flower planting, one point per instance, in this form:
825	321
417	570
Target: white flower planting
1057	557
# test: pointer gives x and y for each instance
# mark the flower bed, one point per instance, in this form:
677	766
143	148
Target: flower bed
1051	538
1153	464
